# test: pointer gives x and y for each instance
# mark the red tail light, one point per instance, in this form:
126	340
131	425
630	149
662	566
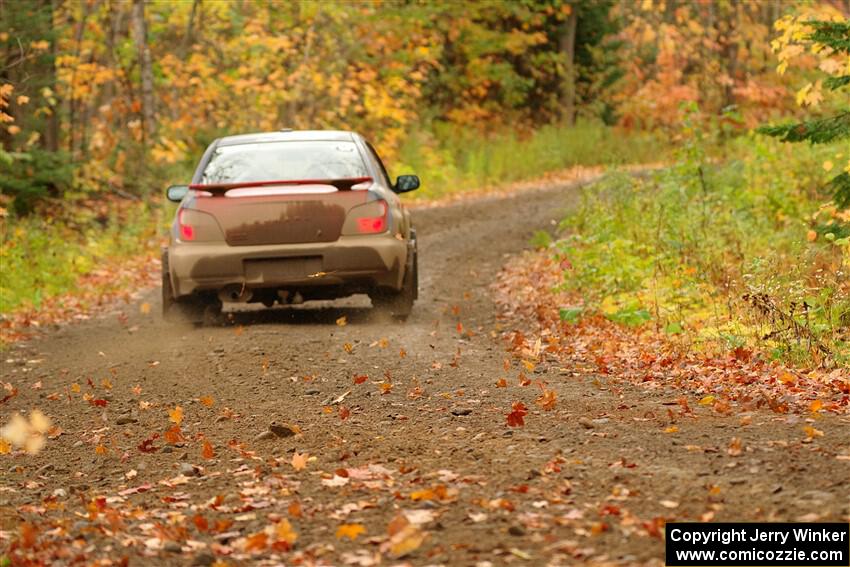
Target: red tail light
187	231
376	222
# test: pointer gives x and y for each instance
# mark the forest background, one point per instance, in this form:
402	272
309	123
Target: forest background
105	103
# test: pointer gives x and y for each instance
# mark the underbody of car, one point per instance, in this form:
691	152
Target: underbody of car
289	217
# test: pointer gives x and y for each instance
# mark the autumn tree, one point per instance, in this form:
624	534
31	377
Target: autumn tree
829	41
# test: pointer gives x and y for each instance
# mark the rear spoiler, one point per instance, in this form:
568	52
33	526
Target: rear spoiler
344	184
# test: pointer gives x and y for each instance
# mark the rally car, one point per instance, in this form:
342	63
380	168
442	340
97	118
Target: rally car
287	217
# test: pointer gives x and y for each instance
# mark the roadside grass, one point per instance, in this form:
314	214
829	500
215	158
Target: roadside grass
743	255
46	254
455	160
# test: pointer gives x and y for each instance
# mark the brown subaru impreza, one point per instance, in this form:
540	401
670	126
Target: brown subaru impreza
287	217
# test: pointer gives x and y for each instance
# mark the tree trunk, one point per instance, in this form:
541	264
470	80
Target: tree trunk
568	52
51	133
140	38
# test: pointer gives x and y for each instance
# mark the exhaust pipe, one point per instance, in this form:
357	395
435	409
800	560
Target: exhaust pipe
235	293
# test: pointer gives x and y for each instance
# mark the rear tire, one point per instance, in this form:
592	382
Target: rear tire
400	303
183	310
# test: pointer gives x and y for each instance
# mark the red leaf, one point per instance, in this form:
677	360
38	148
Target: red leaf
147	445
518	412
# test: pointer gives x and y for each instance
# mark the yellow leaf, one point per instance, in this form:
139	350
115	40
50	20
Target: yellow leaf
176	415
75	388
787	378
283	532
407	540
145	308
827	165
811	432
816	406
672	429
5	448
707	400
351	531
342	321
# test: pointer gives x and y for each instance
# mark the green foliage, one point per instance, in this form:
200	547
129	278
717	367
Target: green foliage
34	175
834	36
450	160
43	257
718	255
541	239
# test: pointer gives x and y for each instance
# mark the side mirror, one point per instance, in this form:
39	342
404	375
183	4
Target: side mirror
405	183
175	193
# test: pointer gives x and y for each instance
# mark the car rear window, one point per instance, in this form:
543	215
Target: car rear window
284	161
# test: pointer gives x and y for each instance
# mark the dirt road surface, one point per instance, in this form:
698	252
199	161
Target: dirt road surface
419	449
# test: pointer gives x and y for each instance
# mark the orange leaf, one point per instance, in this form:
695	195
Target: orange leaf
502	383
207	401
816	406
344	412
294	509
208	452
299	461
734	447
342	321
257	542
173	434
200	523
351	531
176	415
360	379
547	400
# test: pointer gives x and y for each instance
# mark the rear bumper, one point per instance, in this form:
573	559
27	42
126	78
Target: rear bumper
371	260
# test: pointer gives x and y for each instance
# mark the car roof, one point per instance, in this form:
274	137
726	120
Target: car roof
287	135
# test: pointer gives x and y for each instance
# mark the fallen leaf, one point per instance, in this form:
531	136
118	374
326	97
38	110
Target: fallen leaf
518	412
299	461
208	452
207	401
351	531
294	509
284	534
735	447
173	434
342	321
811	432
176	415
547	400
